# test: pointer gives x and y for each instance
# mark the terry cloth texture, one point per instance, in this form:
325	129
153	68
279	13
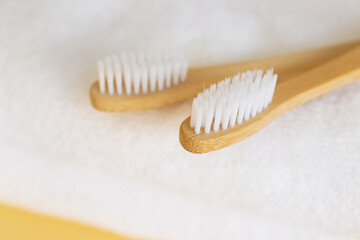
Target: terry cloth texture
299	178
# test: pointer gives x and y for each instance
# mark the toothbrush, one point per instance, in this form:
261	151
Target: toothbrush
126	81
132	82
246	103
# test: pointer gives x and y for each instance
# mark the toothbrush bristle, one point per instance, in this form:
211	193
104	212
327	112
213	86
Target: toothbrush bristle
132	73
232	100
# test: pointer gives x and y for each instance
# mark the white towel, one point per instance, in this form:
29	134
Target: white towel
299	178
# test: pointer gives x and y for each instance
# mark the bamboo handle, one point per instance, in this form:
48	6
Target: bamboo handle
200	78
288	94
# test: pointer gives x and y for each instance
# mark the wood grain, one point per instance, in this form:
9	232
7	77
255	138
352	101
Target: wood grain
200	78
289	93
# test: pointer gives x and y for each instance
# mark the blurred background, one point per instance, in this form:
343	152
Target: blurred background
127	173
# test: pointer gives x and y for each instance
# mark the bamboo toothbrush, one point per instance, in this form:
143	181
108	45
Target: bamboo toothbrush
252	91
134	82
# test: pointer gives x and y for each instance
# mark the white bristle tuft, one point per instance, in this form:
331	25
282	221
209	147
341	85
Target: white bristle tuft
109	70
161	76
127	77
152	76
144	77
101	73
176	72
134	73
168	70
232	100
118	75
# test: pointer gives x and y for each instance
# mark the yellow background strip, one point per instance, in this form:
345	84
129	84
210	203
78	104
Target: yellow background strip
18	224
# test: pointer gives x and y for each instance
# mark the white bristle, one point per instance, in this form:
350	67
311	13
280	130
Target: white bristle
160	76
232	100
109	70
118	75
136	76
144	77
152	76
127	78
168	70
101	73
217	119
176	72
193	112
132	73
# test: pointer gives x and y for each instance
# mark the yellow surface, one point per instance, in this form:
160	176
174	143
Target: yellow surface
18	224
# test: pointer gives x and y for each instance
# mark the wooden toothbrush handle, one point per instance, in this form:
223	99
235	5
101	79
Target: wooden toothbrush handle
318	81
289	93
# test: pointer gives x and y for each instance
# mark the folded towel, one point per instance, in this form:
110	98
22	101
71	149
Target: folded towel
296	179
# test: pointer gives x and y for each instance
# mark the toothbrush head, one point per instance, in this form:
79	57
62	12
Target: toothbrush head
135	73
232	100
